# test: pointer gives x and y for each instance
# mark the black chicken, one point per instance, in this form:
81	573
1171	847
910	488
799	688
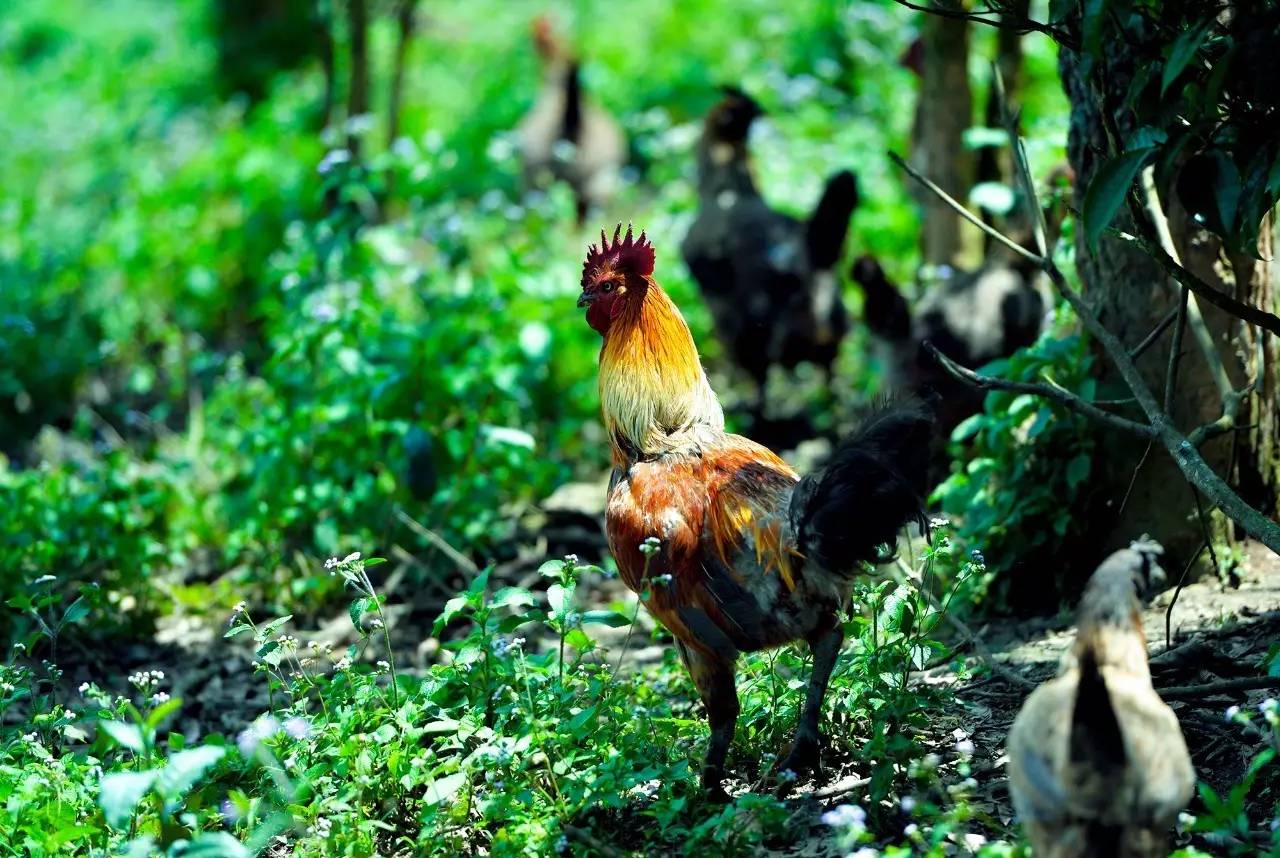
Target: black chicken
972	317
768	278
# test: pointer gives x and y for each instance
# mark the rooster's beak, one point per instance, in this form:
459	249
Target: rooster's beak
585	299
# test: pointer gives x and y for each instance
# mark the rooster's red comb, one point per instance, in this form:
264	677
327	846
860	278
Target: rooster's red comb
632	255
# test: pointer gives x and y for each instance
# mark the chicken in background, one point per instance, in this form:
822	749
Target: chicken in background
566	136
737	552
972	317
769	280
1097	762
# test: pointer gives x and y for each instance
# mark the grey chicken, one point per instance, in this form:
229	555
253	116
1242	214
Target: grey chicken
1098	767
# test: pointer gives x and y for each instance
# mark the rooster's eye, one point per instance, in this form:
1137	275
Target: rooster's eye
608	286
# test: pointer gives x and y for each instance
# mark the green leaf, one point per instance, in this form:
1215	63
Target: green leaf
76	611
444	788
216	844
560	598
125	735
357	609
1182	52
121	793
156	716
185	768
1107	192
612	619
442	727
508	596
270	628
551	569
452	609
579	640
1078	470
238	630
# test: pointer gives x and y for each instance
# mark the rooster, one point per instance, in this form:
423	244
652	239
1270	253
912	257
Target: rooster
1097	763
751	555
565	136
768	279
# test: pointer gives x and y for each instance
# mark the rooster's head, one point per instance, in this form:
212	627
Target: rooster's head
615	274
730	119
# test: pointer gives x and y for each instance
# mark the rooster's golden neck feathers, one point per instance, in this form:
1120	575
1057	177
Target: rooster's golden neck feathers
654	394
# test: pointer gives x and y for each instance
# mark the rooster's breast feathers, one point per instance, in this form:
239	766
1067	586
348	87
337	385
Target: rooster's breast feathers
721	519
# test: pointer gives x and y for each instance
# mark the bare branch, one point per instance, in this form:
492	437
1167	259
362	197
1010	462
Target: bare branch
1003	22
964	212
1057	394
1149	340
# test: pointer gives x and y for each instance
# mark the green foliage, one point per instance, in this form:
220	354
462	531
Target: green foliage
1012	493
1195	108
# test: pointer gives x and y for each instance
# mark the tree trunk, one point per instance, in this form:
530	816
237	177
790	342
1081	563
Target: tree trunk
358	92
1131	294
943	112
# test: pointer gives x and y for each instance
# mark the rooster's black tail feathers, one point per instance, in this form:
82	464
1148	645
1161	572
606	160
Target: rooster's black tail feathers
829	222
873	485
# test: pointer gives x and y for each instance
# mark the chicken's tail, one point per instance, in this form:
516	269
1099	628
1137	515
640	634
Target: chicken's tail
571	119
825	232
1097	744
884	309
874	484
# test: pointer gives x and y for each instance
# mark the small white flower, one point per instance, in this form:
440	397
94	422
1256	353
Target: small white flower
84	686
787	775
571	559
907	803
297	727
965	747
1267	705
849	816
865	852
44	579
562	845
344	663
383	666
910	830
1186	820
1232	713
332	563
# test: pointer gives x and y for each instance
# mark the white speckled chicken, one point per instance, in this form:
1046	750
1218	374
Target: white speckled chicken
566	136
1098	767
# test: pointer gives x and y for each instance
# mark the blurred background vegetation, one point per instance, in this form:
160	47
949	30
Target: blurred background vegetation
210	370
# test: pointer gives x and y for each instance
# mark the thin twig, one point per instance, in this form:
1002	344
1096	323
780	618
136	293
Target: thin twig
964	212
1221	300
1194	692
1192	314
1175	349
1177	591
459	559
1134	479
1057	394
1021	26
1150	339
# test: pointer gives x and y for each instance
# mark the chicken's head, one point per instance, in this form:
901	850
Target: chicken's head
729	121
615	275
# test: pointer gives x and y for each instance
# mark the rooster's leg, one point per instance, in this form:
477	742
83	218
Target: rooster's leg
713	677
825	643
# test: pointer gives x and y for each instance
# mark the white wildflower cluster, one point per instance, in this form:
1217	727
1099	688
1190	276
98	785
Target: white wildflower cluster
288	643
663	580
159	697
5	686
333	564
344	663
562	844
84	688
321	828
964	745
383	666
251	737
502	647
571	559
650	546
846	816
333	158
145	680
787	776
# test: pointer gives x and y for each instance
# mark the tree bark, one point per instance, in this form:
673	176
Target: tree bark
1131	294
358	91
943	112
